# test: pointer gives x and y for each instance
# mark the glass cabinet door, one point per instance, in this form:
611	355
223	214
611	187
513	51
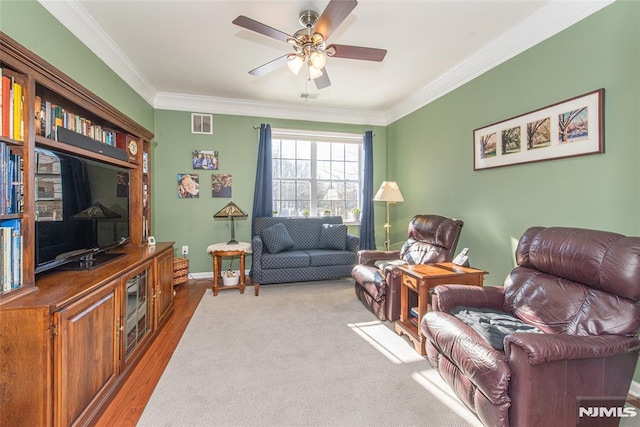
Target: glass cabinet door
137	311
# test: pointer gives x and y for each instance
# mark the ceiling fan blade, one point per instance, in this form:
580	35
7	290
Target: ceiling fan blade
269	66
323	81
259	27
358	52
333	15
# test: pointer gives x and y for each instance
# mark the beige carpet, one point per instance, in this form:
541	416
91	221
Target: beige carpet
303	354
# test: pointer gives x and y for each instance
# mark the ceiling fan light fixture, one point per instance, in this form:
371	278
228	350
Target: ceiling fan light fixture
318	59
314	72
295	62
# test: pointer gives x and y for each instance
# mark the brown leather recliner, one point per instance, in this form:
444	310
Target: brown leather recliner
431	238
580	289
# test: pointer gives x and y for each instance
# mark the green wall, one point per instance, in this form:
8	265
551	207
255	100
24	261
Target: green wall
430	151
434	144
190	221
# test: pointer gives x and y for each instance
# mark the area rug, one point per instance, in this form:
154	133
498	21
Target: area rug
300	354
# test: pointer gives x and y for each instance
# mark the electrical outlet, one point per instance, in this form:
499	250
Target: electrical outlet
185	250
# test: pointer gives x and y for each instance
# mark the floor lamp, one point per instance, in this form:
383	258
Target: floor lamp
389	193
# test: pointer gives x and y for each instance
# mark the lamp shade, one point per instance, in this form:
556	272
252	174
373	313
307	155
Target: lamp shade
332	194
231	210
314	73
388	192
295	62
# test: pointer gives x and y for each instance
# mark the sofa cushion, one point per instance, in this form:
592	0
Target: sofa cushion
323	257
277	239
333	236
288	259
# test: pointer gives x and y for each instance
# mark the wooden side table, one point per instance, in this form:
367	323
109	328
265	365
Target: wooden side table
219	250
420	279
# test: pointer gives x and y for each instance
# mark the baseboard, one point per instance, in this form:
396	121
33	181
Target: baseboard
634	390
207	275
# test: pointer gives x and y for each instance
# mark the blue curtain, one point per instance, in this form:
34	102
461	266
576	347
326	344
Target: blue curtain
263	196
367	224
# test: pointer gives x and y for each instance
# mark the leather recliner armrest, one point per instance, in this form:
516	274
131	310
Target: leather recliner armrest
369	257
542	348
446	297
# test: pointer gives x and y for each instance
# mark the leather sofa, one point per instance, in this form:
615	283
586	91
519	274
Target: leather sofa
577	291
301	249
430	238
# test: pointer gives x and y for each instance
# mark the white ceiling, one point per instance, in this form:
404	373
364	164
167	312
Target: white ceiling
187	55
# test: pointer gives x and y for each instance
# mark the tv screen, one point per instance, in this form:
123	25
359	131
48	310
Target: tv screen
82	207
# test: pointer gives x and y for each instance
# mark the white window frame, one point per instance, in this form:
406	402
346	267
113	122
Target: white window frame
314	137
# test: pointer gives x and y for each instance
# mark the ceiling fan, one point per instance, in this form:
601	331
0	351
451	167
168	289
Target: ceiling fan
310	43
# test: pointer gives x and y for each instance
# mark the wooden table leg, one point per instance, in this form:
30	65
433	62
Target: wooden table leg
241	272
216	273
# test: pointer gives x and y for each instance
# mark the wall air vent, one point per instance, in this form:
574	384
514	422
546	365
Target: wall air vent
306	95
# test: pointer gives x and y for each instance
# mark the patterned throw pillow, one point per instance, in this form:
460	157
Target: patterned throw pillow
333	236
276	238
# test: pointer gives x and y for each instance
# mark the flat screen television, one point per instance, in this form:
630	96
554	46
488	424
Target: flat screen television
82	211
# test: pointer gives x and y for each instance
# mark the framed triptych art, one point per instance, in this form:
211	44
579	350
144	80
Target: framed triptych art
566	129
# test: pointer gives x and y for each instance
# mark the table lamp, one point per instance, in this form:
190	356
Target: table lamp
231	210
332	195
389	193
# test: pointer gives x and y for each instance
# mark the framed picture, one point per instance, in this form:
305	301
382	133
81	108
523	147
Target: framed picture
205	159
202	123
221	185
567	129
188	186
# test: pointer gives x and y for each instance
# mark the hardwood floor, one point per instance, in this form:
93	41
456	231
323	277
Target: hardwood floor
127	407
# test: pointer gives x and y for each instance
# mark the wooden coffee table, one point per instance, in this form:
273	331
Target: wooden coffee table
420	279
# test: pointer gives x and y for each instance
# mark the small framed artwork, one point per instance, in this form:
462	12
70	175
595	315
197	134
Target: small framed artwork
205	159
569	128
221	185
202	123
188	186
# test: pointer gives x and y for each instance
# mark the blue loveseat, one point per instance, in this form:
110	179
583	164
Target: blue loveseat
302	249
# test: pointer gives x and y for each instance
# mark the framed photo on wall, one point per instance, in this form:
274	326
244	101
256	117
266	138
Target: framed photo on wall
221	185
569	128
202	159
188	186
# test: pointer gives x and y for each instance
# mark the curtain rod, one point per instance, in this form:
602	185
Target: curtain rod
258	127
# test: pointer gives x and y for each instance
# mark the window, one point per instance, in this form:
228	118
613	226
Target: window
317	172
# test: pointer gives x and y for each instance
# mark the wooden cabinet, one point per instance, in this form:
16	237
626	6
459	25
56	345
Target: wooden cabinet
68	339
163	293
80	335
86	354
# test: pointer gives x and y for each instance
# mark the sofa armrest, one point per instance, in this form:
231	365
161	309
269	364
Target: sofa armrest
369	257
257	246
542	348
446	297
353	243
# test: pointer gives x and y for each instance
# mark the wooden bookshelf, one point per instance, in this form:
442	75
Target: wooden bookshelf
59	323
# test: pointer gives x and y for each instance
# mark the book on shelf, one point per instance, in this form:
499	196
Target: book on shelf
11	236
6	105
12	187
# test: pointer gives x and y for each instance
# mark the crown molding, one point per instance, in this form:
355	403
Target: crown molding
549	20
275	110
75	18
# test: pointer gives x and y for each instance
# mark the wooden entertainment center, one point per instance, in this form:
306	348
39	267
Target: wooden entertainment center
69	338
